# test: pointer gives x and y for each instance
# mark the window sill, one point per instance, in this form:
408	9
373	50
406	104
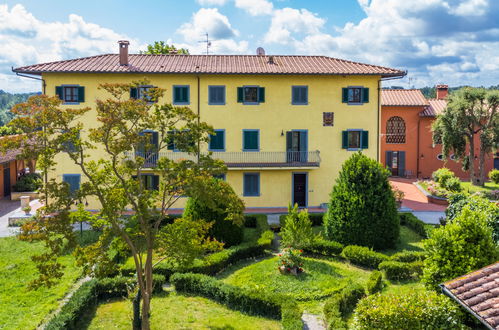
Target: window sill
251	150
299	103
251	195
354	149
216	103
251	103
71	103
355	103
181	103
216	150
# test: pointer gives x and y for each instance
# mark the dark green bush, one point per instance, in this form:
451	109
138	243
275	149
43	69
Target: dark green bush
442	175
363	256
411	221
224	211
408	256
250	221
253	302
81	301
375	282
28	182
341	304
413	310
494	176
401	271
453	184
362	210
325	248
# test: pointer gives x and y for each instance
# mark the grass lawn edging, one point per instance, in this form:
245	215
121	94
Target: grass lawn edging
257	303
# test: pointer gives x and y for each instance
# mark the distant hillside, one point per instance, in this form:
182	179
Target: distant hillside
431	93
7	101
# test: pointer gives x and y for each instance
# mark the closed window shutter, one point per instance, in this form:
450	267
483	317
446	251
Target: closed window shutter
177	94
217	140
294	95
344	93
247	182
81	94
155	182
365	95
133	92
401	163
261	94
211	94
73	180
305	95
388	159
364	140
58	92
185	94
250	140
251	184
344	139
240	94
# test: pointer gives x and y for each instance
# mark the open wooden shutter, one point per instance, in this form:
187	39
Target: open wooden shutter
185	94
344	95
365	95
344	140
81	94
261	94
364	140
240	95
155	182
401	163
58	92
133	93
388	159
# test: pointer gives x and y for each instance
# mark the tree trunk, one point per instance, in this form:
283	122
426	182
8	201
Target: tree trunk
147	294
481	164
472	161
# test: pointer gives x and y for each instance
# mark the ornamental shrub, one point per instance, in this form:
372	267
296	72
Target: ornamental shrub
323	247
494	176
413	310
490	210
362	209
441	175
375	282
408	256
452	184
297	230
28	182
363	256
411	221
341	304
225	211
401	271
463	245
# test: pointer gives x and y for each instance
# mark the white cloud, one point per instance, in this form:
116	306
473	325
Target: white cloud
255	7
471	8
27	40
288	24
212	2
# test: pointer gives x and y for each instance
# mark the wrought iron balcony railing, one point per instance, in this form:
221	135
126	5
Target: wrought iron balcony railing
241	159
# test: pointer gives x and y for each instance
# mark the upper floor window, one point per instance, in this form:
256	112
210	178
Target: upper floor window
299	95
141	92
355	95
73	181
355	139
251	140
395	130
70	93
180	141
181	94
250	94
216	95
217	140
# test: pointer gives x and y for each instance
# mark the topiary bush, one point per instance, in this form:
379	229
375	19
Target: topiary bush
363	256
452	184
28	182
362	209
494	176
411	221
323	247
375	282
225	211
463	245
401	271
413	310
441	175
408	256
341	304
297	230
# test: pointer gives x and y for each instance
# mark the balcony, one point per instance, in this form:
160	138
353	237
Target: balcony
235	160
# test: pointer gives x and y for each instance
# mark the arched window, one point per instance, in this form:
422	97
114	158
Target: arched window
395	130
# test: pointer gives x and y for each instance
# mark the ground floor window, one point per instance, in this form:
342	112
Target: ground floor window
251	184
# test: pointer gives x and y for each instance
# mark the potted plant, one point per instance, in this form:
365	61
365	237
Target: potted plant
26	209
290	261
399	197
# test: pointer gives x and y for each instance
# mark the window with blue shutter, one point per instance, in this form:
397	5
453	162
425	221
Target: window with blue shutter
299	95
251	184
73	181
217	140
216	95
251	140
181	94
355	139
71	94
251	95
69	145
355	95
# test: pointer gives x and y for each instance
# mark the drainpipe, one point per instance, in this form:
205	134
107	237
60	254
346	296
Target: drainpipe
378	128
44	85
199	114
417	155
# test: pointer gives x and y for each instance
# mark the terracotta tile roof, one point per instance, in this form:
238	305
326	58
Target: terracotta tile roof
212	64
479	292
403	97
436	107
9	155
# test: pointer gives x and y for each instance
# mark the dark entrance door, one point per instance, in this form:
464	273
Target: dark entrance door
496	163
300	189
6	181
395	161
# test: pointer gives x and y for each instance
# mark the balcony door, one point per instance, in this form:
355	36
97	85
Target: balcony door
297	146
300	189
149	149
6	181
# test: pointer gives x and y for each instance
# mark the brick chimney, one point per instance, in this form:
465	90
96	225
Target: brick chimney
123	51
442	91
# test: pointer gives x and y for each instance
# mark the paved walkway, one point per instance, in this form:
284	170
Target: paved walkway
9	208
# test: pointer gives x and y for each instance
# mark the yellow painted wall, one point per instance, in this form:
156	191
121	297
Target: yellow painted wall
274	116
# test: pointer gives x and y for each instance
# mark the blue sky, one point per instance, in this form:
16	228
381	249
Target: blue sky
437	41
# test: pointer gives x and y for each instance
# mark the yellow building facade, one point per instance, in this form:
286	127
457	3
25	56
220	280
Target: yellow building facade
283	136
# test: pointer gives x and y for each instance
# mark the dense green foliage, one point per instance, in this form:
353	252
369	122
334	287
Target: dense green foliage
494	176
411	221
162	48
316	218
408	256
323	247
297	230
490	210
7	130
401	271
341	304
7	101
253	302
363	256
442	175
415	310
463	245
375	282
28	182
362	210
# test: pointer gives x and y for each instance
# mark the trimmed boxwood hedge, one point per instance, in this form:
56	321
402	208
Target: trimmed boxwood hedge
375	282
325	248
363	256
253	302
408	256
400	271
341	304
411	221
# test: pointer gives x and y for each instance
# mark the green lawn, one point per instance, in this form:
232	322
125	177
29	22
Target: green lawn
23	308
408	240
489	186
175	311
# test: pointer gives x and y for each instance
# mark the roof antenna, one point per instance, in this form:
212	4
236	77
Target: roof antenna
208	43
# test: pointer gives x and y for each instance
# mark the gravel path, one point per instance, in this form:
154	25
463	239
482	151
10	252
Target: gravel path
312	322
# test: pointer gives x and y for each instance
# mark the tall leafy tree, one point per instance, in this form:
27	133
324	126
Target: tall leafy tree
116	181
161	47
470	113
